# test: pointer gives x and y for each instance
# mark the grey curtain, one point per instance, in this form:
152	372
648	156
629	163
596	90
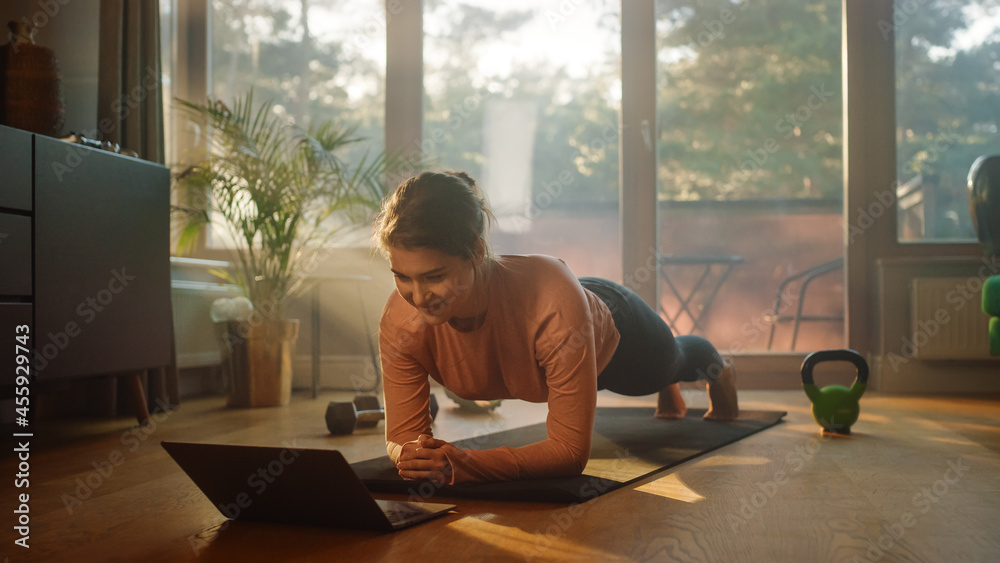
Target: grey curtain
130	98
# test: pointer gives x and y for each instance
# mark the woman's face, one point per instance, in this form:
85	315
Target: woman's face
438	285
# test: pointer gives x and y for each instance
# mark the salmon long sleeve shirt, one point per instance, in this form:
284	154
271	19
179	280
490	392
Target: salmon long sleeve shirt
545	338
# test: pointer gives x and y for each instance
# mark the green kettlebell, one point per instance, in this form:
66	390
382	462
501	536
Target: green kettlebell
835	407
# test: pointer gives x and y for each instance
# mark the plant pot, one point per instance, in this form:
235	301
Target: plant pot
258	359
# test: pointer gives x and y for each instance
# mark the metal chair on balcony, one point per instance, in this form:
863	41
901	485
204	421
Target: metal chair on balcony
807	276
705	285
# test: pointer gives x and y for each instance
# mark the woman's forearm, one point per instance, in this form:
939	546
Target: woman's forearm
548	458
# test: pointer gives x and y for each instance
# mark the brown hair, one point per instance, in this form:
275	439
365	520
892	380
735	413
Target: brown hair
444	211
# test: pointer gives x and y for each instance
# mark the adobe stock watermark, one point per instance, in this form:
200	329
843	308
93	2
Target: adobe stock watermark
755	327
406	339
962	294
271	307
121	106
789	125
429	487
50	346
715	28
901	13
884	201
563	11
553	190
644	272
922	503
715	369
762	493
47	10
257	483
366	380
376	24
103	469
544	538
458	113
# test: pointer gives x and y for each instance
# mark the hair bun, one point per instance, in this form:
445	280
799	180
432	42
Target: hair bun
461	175
441	210
468	180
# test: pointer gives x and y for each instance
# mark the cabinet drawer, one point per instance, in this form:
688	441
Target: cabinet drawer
15	255
15	162
12	315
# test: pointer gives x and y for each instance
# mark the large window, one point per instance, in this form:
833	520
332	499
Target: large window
525	97
750	173
315	61
947	111
748	144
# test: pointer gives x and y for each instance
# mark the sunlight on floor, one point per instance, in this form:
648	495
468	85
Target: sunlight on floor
671	487
721	460
877	418
967	426
806	428
988	458
923	423
771	406
546	544
953	441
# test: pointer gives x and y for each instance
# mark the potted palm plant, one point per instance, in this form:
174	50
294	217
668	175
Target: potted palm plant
281	193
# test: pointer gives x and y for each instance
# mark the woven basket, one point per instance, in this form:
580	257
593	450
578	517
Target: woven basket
31	89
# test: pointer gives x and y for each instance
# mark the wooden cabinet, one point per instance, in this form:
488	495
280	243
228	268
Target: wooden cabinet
87	252
15	169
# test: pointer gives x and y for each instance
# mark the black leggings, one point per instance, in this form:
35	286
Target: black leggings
649	357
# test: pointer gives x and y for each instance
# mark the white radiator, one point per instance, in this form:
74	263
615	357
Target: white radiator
946	320
194	333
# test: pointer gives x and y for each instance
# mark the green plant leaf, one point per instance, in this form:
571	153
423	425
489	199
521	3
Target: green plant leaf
280	192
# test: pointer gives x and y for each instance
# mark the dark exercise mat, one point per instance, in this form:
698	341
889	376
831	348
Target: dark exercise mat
628	444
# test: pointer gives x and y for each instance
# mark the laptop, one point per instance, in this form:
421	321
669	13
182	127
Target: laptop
292	486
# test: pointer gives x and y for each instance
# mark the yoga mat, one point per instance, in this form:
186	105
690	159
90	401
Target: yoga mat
628	444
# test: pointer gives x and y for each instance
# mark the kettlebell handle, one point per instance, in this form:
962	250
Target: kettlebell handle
834	356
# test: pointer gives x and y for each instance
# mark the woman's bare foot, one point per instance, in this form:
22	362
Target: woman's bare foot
670	405
722	402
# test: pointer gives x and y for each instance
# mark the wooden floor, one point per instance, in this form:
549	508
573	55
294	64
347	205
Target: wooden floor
918	481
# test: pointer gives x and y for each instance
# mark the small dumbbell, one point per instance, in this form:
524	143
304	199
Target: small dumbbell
367	403
370	403
342	418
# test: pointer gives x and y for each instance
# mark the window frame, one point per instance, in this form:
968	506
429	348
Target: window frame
869	138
